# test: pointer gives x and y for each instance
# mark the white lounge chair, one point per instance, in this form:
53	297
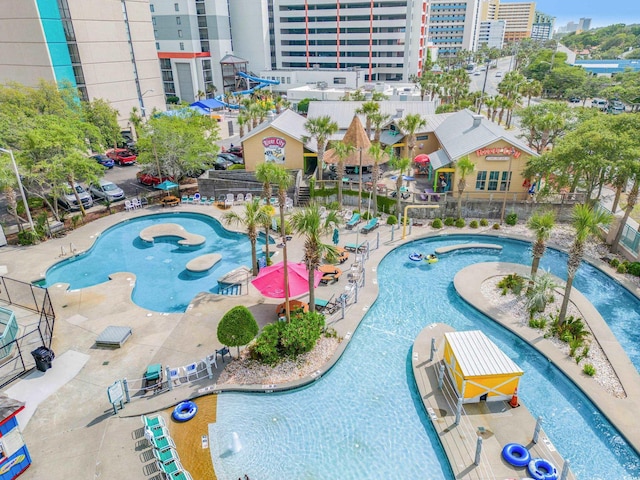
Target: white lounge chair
191	369
240	199
174	375
248	197
128	205
136	203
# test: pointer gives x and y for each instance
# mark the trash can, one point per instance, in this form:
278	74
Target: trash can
43	357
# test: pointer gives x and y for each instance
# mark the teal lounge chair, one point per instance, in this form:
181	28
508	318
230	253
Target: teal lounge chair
355	219
170	468
153	423
372	225
162	442
181	475
352	247
166	456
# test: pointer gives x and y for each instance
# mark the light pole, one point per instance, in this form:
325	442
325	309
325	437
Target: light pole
360	183
506	189
24	197
142	108
484	85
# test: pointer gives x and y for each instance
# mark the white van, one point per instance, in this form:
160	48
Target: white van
599	103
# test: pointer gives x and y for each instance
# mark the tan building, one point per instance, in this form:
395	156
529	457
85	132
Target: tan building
518	16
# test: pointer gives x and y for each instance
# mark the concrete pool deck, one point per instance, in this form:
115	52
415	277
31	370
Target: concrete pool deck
78	416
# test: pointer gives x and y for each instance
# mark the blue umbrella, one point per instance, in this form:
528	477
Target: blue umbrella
336	236
166	185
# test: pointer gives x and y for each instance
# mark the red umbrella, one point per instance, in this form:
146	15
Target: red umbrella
270	280
421	159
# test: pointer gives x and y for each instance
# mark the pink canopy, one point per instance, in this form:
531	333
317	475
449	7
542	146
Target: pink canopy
270	280
422	158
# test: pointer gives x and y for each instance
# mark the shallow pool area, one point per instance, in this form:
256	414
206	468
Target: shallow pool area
163	282
365	420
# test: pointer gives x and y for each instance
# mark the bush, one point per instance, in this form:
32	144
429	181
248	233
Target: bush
484	222
496	226
437	223
460	223
614	262
172	99
392	220
366	216
634	269
237	327
539	323
589	369
622	268
449	221
333	205
513	282
572	328
236	166
511	219
473	224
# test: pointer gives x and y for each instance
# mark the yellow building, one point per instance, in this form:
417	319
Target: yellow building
518	16
478	369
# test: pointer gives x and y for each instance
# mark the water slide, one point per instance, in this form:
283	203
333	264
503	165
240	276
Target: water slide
262	82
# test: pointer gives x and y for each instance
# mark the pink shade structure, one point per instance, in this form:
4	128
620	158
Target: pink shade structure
423	158
270	280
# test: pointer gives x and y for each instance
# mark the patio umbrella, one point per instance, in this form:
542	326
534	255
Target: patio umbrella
270	280
336	236
166	185
421	159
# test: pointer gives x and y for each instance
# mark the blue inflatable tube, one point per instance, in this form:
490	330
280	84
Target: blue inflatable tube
184	411
542	469
516	454
415	257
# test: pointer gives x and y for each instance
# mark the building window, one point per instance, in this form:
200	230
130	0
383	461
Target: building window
288	80
153	20
152	7
181	45
178	21
157	45
505	182
422	137
179	33
493	181
176	6
340	80
481	180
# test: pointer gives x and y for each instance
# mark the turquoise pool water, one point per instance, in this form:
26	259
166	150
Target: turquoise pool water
365	420
162	282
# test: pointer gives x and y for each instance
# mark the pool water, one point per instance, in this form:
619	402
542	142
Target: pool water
162	282
365	418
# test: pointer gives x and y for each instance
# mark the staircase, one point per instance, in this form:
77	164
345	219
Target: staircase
304	196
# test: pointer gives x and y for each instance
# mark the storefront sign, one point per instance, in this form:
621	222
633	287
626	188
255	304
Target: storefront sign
11	463
497	158
509	151
274	149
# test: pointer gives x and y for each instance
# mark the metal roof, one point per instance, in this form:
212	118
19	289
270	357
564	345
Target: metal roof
343	112
479	356
465	132
439	159
289	123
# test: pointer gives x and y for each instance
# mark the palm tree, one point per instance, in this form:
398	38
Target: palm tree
367	109
586	222
378	120
252	218
342	151
531	89
310	223
541	224
243	119
410	125
377	152
320	128
401	164
464	166
282	178
265	173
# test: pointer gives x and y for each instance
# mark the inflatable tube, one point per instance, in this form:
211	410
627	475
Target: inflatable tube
415	257
542	469
184	411
431	258
516	454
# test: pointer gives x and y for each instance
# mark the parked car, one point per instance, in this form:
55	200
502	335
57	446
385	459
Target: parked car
231	157
103	160
498	74
106	190
236	150
599	103
150	179
616	107
222	163
575	99
68	200
122	156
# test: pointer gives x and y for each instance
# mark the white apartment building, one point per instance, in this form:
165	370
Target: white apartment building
104	48
453	25
491	33
385	39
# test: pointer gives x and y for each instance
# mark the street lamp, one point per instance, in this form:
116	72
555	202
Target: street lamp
360	182
142	108
484	85
24	197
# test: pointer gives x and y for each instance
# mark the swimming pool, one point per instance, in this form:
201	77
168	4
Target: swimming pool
365	420
162	282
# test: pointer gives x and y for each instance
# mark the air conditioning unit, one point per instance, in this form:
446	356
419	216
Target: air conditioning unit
322	85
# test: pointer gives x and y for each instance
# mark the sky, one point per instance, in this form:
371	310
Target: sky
601	12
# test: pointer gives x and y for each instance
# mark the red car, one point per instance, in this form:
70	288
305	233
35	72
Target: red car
121	156
236	150
151	180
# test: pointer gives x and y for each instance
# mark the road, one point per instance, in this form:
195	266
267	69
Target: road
478	77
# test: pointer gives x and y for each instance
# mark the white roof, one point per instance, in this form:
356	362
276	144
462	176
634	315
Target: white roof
343	112
289	123
479	356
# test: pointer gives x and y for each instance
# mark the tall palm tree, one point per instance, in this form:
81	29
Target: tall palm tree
377	152
265	173
378	120
401	164
531	89
367	109
541	224
586	222
464	166
342	151
320	128
310	223
283	180
253	217
410	125
243	120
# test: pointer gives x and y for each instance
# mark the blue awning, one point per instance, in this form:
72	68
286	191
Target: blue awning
208	104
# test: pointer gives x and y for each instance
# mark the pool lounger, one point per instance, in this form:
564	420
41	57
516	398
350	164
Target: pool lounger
352	247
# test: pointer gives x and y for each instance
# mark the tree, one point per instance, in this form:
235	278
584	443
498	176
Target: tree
378	120
310	223
342	151
105	118
586	222
283	180
178	145
237	327
544	123
541	224
265	173
321	129
464	166
531	89
378	153
401	164
253	217
368	109
410	124
303	105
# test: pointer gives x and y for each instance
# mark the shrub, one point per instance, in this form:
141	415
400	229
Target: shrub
392	220
622	268
172	99
473	224
366	216
333	205
496	226
460	223
237	327
437	223
484	222
539	323
511	219
236	166
513	282
634	269
589	369
614	262
449	221
572	328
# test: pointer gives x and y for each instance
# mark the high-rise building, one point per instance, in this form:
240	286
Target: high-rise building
584	24
542	27
518	17
453	25
491	33
103	48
